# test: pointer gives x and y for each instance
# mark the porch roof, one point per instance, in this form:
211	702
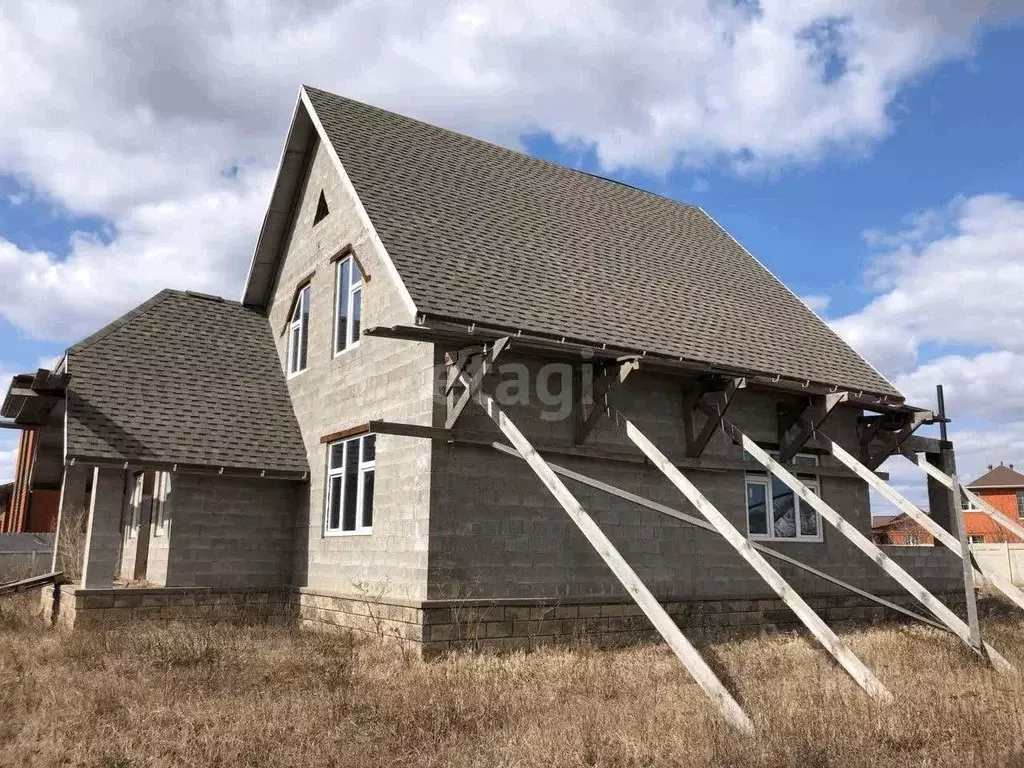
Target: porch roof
184	378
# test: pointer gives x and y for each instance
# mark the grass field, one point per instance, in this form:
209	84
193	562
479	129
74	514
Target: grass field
226	695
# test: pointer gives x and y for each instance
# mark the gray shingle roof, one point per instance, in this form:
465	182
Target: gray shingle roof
481	233
183	378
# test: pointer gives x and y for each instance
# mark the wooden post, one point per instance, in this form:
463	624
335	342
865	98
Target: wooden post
979	504
705	525
682	647
920	517
868	547
854	666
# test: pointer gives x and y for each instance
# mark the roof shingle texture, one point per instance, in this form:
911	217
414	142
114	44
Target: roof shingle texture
187	379
479	232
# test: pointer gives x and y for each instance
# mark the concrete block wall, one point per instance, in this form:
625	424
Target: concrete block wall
377	379
101	560
227	532
497	533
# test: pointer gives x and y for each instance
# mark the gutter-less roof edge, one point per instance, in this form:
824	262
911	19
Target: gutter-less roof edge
213	468
764	377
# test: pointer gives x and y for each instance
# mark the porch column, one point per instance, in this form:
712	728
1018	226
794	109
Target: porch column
103	534
68	540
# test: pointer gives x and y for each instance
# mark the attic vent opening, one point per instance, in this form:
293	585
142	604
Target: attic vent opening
321	209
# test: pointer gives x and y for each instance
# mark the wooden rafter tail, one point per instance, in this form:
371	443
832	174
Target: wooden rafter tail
473	384
688	655
714	408
865	545
705	525
813	416
846	658
915	421
613	376
871	429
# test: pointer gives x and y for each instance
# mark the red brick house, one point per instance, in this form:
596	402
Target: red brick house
1002	487
900	531
29	503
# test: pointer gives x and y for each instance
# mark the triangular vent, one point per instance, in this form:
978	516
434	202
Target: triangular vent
321	209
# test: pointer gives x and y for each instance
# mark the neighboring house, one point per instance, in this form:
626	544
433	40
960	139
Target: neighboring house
29	504
6	493
899	531
303	449
1002	487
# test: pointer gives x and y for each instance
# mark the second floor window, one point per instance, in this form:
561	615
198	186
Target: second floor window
298	333
775	512
1020	504
348	311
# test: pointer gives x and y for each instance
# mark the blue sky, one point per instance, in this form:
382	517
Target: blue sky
877	170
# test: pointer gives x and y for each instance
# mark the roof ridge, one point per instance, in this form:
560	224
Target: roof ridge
121	321
533	158
141	309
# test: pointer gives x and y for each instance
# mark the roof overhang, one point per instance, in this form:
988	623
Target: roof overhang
453	333
31	397
291	169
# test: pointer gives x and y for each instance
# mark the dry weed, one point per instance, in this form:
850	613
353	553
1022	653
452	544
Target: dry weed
226	694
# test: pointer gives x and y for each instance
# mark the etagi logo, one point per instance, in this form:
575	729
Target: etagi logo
551	387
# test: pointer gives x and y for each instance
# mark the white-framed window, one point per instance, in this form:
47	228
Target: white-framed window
976	539
298	333
775	512
161	488
348	305
1020	503
349	498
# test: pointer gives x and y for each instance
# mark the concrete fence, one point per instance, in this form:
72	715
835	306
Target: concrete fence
1005	559
25	554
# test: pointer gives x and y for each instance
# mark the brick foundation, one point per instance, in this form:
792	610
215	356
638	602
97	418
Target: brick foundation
432	627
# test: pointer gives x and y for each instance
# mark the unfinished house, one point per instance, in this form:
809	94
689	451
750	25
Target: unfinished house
472	396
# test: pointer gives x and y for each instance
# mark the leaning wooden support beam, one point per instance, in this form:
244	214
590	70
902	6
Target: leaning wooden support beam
32	582
688	655
979	503
854	666
919	516
865	545
705	525
408	430
473	384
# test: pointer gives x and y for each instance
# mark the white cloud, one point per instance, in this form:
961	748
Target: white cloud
8	437
961	288
132	111
952	281
817	303
8	449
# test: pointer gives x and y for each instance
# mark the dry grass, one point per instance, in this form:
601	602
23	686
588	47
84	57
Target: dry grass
225	695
